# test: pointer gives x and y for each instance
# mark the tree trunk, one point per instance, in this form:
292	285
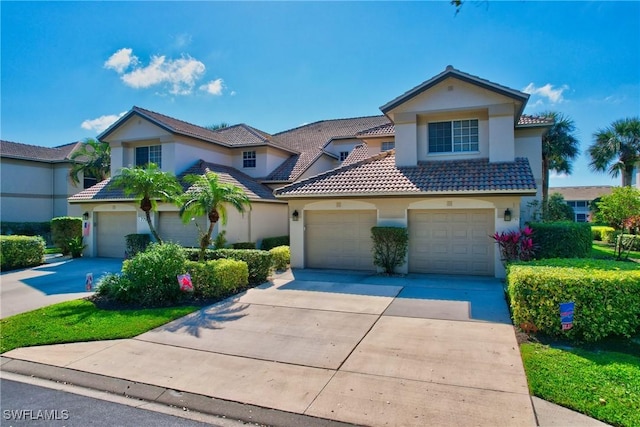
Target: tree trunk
545	180
627	176
145	205
206	240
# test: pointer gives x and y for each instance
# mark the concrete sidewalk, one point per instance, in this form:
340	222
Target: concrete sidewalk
322	347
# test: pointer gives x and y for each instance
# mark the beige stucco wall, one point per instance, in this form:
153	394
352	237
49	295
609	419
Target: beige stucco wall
322	164
395	212
528	143
267	159
35	191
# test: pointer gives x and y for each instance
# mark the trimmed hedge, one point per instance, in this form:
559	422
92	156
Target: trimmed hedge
269	243
259	262
606	296
243	245
63	230
562	239
390	246
21	251
42	229
217	278
281	257
136	243
602	233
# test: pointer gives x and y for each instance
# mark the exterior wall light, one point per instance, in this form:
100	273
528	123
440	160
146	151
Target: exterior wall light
295	215
85	216
507	214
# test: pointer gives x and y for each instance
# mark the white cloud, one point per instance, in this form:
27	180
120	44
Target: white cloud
547	91
101	123
214	87
182	40
556	175
233	93
180	75
121	60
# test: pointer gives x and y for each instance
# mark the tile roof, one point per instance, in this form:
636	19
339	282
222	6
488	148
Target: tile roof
583	192
236	135
17	150
527	120
387	129
379	175
359	153
309	140
254	190
450	71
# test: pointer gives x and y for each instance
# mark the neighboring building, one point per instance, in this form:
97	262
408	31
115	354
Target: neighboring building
581	198
453	159
35	182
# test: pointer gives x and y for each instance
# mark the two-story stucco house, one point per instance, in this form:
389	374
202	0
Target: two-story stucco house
454	160
35	182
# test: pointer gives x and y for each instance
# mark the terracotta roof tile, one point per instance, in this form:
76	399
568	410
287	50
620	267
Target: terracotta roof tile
387	129
359	153
310	140
254	190
379	175
583	192
17	150
527	120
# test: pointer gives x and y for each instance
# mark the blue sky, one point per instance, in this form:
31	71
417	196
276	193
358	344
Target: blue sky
70	68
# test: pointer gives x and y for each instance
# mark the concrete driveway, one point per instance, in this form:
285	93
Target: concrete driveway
60	279
345	346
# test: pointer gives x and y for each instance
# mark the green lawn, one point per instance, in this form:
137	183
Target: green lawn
605	251
602	384
80	320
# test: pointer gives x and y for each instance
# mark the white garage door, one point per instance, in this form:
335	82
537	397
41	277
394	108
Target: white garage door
172	229
339	239
111	229
451	241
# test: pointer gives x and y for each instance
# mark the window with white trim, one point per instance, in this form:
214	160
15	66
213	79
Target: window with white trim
149	154
344	155
248	159
388	145
454	136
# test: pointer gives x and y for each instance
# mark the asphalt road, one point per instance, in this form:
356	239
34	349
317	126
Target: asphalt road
30	405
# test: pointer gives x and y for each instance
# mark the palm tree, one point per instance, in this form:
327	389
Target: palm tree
217	126
148	184
208	196
617	149
559	148
93	159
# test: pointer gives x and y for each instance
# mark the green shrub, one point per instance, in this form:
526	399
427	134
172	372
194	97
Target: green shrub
63	230
21	251
217	278
281	257
43	229
153	275
269	243
389	247
136	243
76	246
606	296
243	245
259	262
562	239
115	287
601	232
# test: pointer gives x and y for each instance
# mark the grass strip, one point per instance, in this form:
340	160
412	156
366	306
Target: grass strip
601	384
81	320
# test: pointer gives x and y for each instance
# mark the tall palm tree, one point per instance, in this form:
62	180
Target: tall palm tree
208	196
559	148
148	185
616	149
93	159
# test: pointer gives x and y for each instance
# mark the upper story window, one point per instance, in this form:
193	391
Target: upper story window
388	145
344	155
248	159
454	136
150	154
88	182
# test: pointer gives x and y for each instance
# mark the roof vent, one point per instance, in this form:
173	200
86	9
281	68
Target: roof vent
449	67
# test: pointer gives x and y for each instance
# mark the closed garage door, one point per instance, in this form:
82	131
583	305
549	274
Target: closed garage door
172	229
339	239
111	229
451	241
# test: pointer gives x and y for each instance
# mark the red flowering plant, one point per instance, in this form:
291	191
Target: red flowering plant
516	245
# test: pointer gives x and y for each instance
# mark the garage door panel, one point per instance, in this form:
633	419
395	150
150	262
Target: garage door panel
111	229
451	241
339	239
